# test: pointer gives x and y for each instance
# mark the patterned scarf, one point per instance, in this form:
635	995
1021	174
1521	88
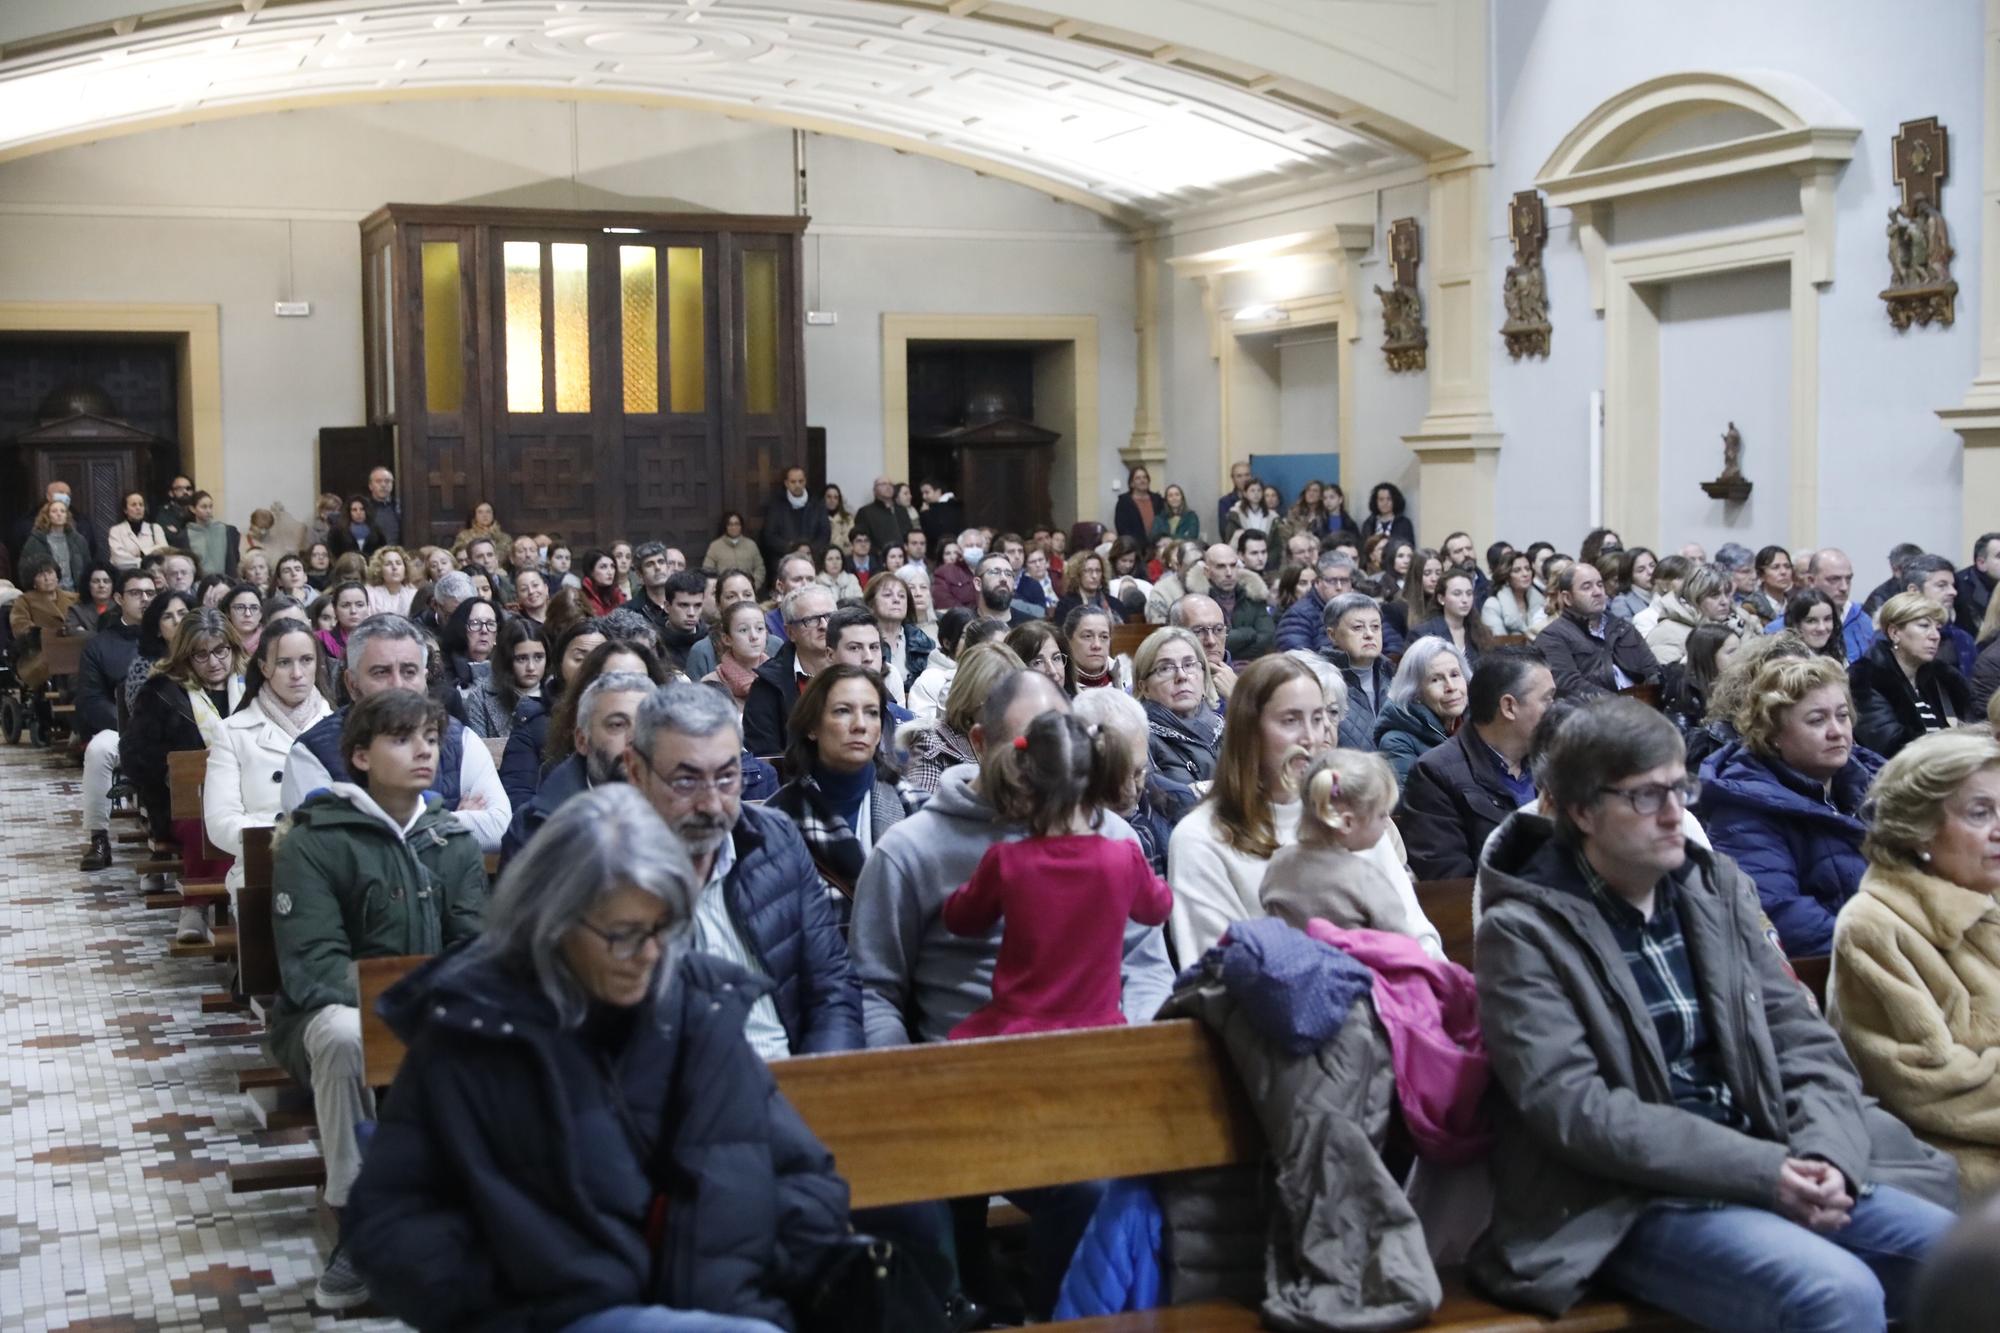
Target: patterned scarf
205	717
737	676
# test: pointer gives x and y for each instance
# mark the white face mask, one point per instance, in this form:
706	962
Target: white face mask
972	555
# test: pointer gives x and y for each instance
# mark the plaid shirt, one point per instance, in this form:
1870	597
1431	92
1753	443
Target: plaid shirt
1656	952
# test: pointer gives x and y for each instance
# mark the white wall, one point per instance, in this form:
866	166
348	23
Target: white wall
240	213
1308	393
1888	469
1725	341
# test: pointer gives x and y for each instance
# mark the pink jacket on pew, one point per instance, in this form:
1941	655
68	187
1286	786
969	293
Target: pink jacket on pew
1431	1013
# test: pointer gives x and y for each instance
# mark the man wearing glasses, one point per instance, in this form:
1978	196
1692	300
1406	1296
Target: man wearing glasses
780	681
1679	1123
1201	616
1304	626
761	905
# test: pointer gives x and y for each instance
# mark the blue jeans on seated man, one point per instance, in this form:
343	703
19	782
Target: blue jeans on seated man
660	1319
1747	1268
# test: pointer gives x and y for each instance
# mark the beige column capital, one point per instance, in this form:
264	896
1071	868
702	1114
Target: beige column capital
1457	444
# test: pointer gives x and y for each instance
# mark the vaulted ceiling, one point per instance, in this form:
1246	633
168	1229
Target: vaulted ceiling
1119	122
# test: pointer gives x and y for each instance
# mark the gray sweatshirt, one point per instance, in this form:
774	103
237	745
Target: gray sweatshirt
911	965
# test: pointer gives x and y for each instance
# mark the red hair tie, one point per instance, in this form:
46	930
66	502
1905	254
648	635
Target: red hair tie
1020	742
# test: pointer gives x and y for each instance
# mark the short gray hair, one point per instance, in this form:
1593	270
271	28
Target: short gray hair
1111	708
600	842
1176	614
456	585
795	556
612	682
789	603
686	709
1346	605
1332	563
1735	557
1418	659
388	627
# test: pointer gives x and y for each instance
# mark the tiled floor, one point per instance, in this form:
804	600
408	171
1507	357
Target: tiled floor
118	1108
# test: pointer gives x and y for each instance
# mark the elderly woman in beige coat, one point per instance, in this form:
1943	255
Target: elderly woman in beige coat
1915	988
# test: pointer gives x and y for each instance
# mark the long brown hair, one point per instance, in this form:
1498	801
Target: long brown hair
1242	809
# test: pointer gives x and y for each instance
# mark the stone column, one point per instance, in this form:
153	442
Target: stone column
1457	444
1977	419
1148	445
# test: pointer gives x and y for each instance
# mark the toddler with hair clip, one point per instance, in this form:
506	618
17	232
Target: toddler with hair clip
1327	873
1065	891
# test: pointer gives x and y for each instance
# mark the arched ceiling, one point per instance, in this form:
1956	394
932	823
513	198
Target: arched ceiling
1102	118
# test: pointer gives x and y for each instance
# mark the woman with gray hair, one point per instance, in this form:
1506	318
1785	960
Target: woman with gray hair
580	1137
1427	701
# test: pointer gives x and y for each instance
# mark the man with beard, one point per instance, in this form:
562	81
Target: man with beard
761	904
996	591
603	726
1458	554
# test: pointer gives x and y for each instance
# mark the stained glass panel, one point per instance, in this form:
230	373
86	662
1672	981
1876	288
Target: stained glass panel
522	261
572	325
639	299
444	329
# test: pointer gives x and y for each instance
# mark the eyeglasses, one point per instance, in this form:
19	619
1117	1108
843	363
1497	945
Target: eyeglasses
1650	798
687	785
628	942
1208	631
482	626
1168	670
818	621
220	653
1056	660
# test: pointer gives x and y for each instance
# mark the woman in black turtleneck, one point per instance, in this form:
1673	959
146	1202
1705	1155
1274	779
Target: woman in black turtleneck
837	776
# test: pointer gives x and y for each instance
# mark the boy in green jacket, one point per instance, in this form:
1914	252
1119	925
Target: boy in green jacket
375	868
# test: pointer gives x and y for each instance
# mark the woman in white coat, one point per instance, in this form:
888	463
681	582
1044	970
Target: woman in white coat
246	767
1281	713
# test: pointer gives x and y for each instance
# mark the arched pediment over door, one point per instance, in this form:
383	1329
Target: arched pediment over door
1710	132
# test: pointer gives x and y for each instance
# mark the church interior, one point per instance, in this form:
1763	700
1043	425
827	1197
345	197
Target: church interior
1702	276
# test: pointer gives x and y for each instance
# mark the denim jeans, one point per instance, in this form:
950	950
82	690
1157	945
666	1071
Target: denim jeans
660	1319
1747	1268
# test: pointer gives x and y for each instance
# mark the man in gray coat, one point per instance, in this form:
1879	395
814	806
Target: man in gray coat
1677	1120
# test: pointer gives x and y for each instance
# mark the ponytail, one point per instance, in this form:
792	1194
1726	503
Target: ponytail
1060	765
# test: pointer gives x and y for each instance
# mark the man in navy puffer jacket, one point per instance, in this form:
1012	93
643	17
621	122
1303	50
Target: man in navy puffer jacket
762	905
1304	624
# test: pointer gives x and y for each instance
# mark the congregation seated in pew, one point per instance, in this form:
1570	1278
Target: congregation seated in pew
371	867
769	884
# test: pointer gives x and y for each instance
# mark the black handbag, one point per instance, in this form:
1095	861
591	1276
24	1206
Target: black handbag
871	1285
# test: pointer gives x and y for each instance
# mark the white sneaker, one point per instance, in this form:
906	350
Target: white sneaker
193	926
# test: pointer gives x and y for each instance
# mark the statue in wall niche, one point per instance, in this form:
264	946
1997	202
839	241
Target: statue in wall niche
1731	487
1921	289
1525	292
1404	338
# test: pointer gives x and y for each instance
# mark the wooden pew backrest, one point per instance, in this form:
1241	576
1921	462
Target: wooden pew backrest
381	1049
1126	638
256	949
62	654
1448	904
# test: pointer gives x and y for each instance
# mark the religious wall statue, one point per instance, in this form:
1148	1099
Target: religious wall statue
1921	288
1732	486
1403	337
1525	292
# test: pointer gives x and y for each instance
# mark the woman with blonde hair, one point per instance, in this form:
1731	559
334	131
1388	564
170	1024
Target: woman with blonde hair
946	741
1175	685
1915	982
1901	690
1785	802
389	586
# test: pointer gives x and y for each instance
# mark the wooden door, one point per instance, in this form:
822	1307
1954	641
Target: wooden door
664	426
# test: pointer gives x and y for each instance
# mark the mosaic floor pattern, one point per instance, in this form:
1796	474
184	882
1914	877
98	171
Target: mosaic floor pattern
118	1106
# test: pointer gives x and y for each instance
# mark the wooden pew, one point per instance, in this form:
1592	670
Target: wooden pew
1126	638
970	1118
1448	904
187	770
62	654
